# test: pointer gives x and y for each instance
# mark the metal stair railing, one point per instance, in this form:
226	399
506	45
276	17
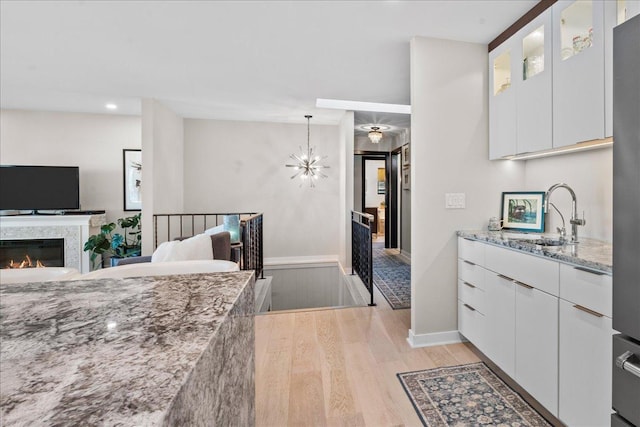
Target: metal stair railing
362	249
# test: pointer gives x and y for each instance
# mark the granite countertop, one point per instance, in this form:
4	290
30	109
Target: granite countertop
589	253
110	351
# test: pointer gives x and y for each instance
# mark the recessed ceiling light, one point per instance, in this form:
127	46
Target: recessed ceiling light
111	106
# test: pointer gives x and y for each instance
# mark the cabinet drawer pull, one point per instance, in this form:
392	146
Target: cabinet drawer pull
586	310
588	270
524	285
469	307
469	285
469	262
502	276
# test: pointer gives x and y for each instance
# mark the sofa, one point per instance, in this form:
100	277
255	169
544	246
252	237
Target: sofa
220	243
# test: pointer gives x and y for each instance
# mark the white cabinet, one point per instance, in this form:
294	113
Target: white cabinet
546	324
503	69
471	324
588	288
536	346
578	71
521	335
533	85
471	294
560	80
538	272
499	319
585	367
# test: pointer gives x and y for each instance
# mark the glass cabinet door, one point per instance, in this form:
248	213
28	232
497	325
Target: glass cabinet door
503	79
534	105
576	28
502	72
533	53
578	71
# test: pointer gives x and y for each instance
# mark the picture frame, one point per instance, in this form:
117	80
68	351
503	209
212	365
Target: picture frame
406	178
132	179
523	211
406	156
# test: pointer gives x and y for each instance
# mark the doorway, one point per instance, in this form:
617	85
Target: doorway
375	192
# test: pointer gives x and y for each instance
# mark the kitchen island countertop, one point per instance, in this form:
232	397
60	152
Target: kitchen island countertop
163	350
588	253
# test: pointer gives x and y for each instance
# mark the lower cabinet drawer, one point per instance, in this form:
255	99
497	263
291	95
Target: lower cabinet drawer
471	273
588	288
471	295
471	324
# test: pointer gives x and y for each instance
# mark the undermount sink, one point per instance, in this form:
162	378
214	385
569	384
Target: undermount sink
544	242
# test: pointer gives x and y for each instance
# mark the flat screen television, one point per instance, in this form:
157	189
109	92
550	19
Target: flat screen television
39	187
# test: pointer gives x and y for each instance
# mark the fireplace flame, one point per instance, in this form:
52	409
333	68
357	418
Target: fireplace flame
26	263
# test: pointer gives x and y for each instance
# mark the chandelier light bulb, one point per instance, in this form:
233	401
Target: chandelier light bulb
307	164
375	135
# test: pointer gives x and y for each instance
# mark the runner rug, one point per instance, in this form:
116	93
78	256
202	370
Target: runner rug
392	276
466	395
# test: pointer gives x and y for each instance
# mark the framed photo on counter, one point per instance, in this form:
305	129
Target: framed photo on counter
523	211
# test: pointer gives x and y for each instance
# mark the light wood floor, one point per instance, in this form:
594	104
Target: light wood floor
338	367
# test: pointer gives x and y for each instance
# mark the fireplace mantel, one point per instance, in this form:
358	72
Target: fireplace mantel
74	229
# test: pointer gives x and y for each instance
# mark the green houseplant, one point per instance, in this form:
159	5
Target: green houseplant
116	245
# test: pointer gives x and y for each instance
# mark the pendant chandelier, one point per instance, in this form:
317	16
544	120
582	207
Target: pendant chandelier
375	135
308	165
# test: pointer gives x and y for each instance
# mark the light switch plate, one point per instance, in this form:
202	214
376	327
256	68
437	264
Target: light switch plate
454	200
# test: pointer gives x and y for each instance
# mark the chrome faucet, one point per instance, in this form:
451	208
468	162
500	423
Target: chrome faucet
574	221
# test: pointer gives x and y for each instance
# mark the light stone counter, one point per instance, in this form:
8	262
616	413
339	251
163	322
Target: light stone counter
589	253
164	350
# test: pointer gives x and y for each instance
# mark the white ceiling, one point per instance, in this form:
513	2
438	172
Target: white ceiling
230	60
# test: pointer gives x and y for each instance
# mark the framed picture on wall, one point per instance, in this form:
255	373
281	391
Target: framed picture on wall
523	211
406	178
406	158
132	179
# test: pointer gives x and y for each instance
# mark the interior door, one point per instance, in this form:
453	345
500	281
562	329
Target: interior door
392	201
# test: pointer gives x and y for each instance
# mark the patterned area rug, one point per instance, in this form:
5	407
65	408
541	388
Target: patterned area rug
466	395
392	276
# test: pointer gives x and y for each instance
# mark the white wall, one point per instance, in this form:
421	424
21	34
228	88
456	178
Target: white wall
449	153
162	166
590	174
94	142
240	167
371	196
346	186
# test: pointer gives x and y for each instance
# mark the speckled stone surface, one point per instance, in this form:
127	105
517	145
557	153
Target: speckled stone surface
165	350
588	253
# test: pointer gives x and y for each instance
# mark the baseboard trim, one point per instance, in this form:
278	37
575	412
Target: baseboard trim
300	262
434	338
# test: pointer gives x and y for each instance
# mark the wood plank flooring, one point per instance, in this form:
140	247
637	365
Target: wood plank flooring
337	367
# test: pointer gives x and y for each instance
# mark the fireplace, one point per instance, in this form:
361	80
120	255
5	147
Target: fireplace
49	252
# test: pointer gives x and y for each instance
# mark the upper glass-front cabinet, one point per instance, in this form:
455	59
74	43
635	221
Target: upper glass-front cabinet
576	28
533	53
502	72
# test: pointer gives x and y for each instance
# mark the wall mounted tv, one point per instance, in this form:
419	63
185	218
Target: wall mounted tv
39	187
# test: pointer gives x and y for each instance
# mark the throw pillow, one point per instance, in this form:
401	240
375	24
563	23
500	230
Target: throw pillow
194	248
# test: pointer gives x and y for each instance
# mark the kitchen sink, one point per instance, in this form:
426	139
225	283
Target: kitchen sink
544	242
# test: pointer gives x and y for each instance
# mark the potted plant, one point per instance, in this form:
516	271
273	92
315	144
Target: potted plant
116	245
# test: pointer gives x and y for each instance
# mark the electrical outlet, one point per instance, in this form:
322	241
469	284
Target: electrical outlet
454	200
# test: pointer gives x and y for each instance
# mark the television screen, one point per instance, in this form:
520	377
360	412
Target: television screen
39	187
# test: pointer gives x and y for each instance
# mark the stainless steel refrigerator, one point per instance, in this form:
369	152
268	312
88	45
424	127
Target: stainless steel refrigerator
626	223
